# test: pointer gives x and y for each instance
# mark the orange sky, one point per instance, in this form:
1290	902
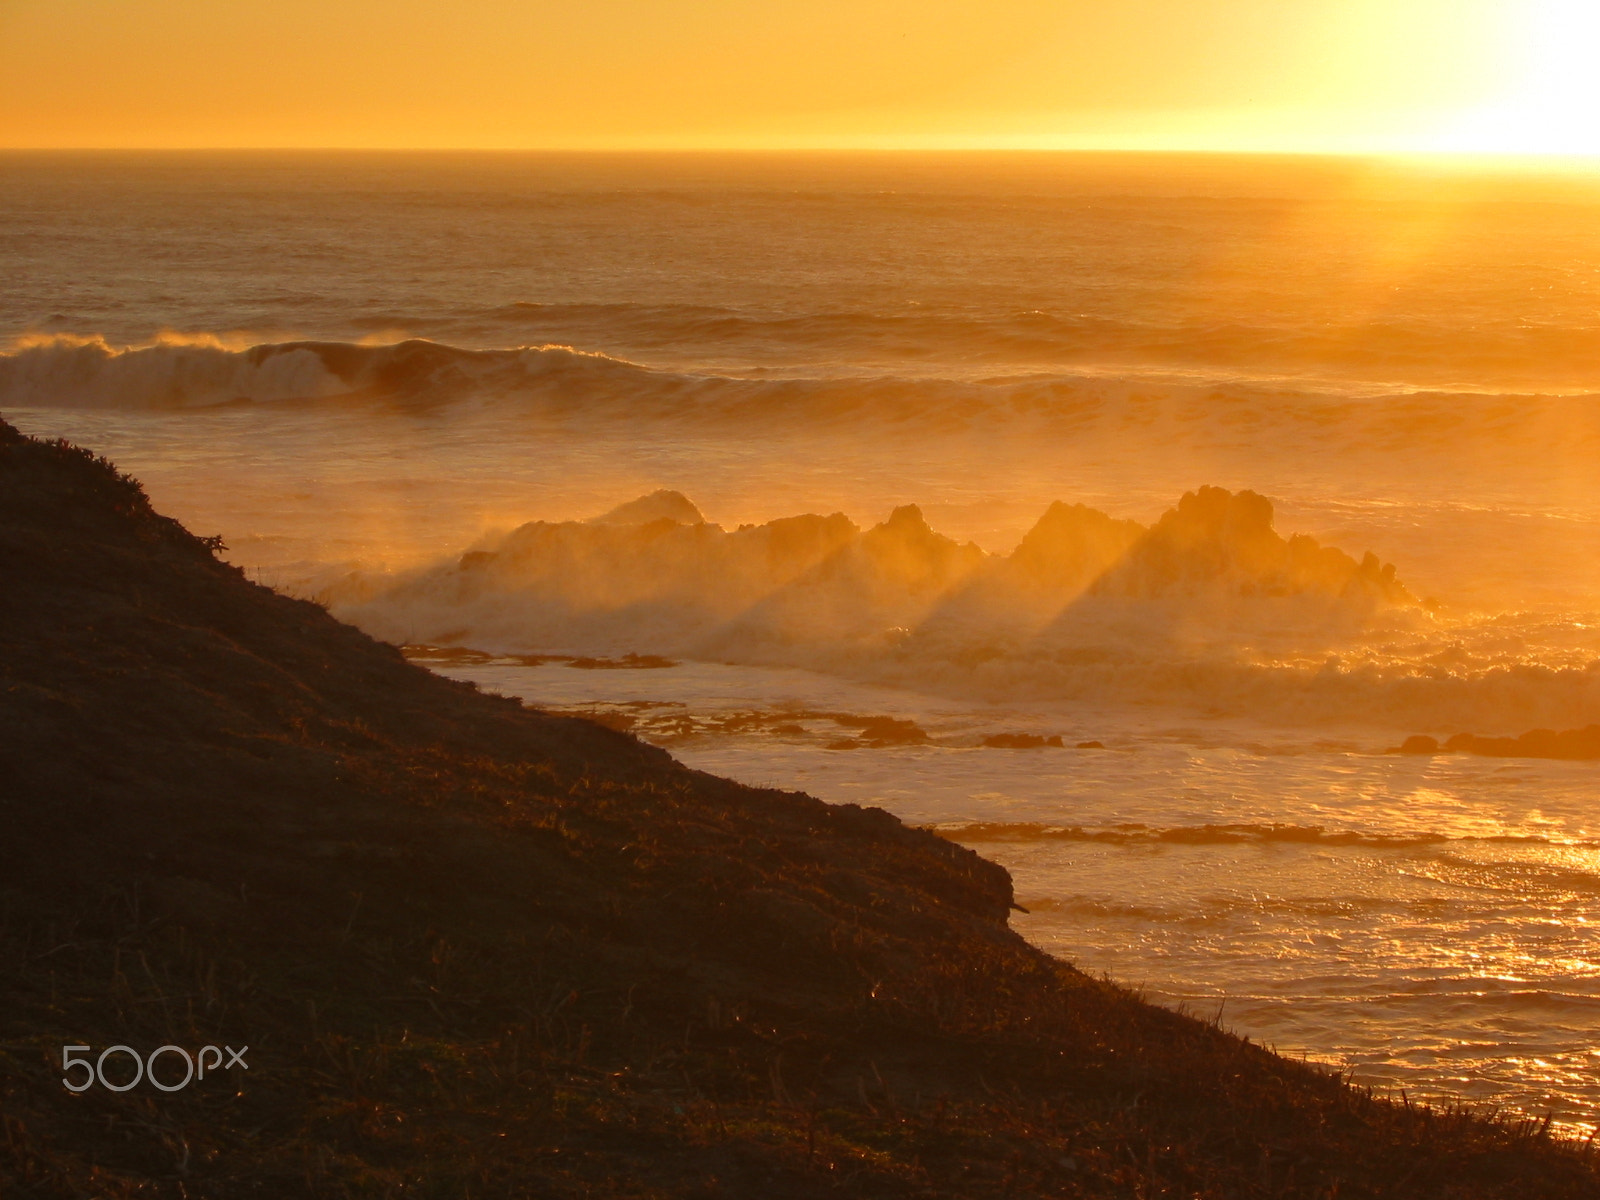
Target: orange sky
1224	74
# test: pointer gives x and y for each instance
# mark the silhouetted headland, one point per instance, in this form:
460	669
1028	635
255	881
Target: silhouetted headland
479	950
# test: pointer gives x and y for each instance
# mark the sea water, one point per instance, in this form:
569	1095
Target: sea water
371	373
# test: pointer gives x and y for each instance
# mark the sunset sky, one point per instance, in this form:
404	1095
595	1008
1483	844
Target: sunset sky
1491	76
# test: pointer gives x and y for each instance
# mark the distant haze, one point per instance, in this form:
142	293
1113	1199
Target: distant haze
1303	75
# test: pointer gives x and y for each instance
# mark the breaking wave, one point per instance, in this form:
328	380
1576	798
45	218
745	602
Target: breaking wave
562	383
64	371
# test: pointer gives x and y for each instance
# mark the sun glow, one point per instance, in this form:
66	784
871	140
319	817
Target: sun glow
1317	76
1552	104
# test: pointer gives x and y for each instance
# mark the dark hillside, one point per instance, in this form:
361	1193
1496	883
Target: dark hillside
480	951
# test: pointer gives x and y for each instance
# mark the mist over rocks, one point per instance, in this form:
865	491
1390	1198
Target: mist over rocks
1209	609
820	592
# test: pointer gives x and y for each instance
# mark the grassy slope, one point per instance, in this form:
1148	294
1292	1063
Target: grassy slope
478	950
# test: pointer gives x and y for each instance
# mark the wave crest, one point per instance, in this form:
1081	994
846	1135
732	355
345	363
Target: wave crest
65	371
1217	416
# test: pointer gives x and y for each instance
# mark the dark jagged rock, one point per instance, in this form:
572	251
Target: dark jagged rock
663	505
818	591
477	949
1220	539
1573	744
1022	741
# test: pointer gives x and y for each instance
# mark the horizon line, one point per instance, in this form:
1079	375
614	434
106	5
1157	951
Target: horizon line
1587	160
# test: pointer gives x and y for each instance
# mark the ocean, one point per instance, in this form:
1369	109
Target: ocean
1117	515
